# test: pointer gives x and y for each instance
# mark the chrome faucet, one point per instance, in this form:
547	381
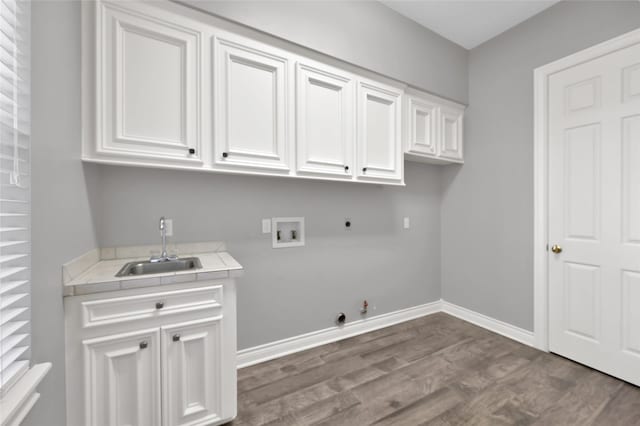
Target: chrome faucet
164	257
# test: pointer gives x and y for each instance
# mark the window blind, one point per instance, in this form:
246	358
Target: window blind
15	194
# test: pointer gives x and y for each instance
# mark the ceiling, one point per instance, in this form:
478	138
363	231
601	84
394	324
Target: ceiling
469	22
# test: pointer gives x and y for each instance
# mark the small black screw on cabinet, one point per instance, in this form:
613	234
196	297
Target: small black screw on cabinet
225	154
364	170
192	151
144	344
346	168
159	305
176	338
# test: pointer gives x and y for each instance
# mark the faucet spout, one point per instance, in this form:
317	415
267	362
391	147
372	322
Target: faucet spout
163	234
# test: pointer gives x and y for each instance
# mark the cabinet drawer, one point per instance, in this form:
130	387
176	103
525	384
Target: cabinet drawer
145	306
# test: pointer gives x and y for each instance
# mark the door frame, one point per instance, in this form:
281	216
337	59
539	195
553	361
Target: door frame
540	173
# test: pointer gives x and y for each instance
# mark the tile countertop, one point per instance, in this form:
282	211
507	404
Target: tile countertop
95	271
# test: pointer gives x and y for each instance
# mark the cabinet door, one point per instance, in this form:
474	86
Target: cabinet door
451	133
148	79
379	144
192	376
252	111
325	118
122	379
421	131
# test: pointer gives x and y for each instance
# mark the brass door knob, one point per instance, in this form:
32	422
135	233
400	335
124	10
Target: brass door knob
556	249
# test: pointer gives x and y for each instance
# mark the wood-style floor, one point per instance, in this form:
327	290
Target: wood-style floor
436	370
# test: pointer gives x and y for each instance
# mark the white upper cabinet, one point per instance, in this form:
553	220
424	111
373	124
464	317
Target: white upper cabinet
379	149
421	126
451	133
251	101
325	120
168	86
432	128
148	78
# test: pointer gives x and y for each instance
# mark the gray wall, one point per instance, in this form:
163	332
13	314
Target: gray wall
285	292
487	210
63	226
365	33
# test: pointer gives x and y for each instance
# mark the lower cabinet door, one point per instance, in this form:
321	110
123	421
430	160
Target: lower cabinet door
191	372
122	379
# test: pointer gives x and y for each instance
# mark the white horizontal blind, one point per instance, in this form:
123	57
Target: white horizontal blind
15	193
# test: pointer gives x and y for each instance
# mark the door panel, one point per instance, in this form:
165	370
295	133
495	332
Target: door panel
122	379
594	214
192	373
252	86
422	132
325	114
451	133
150	79
379	140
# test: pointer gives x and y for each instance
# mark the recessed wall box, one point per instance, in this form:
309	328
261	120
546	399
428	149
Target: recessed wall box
287	231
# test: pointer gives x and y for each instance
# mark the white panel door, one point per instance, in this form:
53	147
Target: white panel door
325	117
192	372
149	84
379	149
422	126
252	90
450	129
594	213
122	379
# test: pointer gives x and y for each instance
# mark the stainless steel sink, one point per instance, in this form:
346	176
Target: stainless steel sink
158	267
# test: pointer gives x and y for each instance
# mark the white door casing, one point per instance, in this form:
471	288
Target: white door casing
251	97
192	372
325	120
379	146
148	84
594	213
122	379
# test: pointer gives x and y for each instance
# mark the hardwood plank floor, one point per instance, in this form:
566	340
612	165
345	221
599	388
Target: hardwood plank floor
435	370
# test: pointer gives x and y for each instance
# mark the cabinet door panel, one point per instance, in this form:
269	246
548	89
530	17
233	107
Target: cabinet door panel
325	121
421	129
379	144
192	373
451	133
122	379
251	104
150	84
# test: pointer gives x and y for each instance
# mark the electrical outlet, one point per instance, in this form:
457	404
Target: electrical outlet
406	223
168	226
266	226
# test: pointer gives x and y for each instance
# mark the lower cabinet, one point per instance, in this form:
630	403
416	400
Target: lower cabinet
173	367
191	372
122	379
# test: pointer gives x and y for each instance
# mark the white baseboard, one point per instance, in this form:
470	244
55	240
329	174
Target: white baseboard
511	331
277	349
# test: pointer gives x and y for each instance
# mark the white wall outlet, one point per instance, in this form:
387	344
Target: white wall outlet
406	223
168	226
287	232
266	226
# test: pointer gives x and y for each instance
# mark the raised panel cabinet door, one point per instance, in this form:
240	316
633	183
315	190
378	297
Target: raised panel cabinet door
422	126
325	118
450	137
379	150
252	90
192	372
122	379
149	84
